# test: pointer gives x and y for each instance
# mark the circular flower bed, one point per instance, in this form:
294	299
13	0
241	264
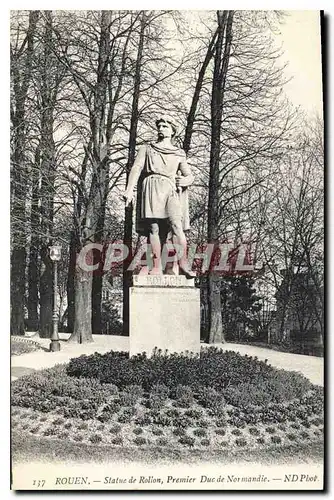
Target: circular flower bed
216	400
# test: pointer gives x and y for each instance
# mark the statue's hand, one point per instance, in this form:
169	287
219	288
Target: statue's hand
180	181
127	197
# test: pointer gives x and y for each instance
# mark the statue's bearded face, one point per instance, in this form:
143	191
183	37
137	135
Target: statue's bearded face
165	130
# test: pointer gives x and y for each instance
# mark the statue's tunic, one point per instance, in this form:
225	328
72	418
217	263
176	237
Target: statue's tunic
158	198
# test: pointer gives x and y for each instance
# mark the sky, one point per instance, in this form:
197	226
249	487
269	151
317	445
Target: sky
300	36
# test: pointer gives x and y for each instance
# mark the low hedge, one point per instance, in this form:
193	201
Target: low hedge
242	380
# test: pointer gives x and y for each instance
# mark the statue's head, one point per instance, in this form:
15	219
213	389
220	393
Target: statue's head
166	126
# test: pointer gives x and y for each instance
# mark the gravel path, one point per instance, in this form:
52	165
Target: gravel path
310	366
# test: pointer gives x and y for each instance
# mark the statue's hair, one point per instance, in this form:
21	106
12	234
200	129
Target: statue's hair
167	119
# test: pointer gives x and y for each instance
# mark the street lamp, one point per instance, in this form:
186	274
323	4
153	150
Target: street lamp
55	254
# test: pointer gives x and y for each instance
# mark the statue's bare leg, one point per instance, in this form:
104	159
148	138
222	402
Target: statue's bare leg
180	239
154	239
163	233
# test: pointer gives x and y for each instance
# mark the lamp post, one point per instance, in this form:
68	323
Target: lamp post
55	254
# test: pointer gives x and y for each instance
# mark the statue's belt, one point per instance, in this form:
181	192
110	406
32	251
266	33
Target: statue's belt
161	176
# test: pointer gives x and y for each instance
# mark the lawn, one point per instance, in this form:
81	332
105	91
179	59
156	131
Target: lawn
220	403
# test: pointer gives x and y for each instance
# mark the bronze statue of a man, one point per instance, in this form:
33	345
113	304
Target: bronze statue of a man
162	204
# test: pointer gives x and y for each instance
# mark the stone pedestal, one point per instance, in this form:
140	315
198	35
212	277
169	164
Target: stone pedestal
164	313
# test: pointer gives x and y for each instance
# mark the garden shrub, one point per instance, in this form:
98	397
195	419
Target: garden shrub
214	368
78	437
224	443
213	400
179	431
194	413
127	414
200	432
112	407
139	440
83	426
221	422
183	422
117	440
162	441
160	390
87	414
316	421
276	439
130	395
236	432
145	419
270	430
203	423
205	442
161	419
50	431
253	431
95	438
187	441
115	429
261	440
156	431
138	430
63	435
124	418
295	426
58	421
241	441
156	401
105	416
220	431
184	396
174	413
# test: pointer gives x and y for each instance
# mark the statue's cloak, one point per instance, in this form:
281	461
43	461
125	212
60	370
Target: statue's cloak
142	225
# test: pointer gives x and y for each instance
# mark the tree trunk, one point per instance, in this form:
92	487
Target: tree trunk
82	332
33	268
71	283
222	53
96	303
194	103
128	224
48	169
18	260
46	294
33	281
21	82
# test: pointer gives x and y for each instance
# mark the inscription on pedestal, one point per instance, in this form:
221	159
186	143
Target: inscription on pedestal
164	317
162	280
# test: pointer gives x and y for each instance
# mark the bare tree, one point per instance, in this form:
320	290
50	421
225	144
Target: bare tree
22	50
